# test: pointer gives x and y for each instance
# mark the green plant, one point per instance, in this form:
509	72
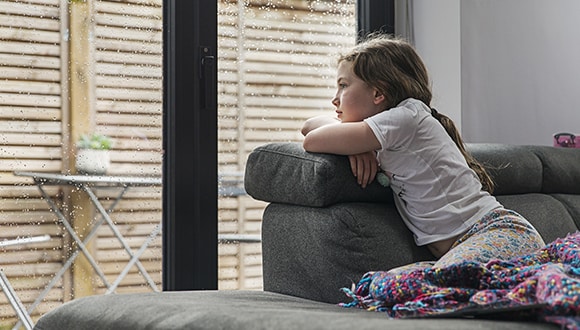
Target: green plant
95	141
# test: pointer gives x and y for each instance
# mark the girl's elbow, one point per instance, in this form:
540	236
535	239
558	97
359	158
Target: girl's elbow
306	127
308	144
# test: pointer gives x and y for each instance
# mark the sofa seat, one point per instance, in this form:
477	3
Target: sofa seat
238	310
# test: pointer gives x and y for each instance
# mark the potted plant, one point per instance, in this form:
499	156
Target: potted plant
93	154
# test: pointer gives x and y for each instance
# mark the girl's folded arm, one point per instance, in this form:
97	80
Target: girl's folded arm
342	139
316	122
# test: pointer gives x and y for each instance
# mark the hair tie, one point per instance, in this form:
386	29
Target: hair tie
434	112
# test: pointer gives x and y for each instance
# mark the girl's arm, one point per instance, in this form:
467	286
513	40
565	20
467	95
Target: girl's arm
353	139
316	122
342	139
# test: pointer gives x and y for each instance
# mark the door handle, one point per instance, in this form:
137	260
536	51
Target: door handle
207	77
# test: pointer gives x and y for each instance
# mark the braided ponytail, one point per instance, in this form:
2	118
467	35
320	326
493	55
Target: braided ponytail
447	123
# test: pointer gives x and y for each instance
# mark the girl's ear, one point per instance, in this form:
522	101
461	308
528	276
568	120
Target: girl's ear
379	97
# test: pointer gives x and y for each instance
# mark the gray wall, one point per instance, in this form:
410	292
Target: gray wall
520	70
437	39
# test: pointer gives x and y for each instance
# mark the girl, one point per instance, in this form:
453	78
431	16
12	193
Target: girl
385	122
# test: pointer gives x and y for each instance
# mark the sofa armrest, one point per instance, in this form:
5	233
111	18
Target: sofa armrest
286	173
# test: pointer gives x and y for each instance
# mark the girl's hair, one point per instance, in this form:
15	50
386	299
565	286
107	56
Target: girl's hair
393	67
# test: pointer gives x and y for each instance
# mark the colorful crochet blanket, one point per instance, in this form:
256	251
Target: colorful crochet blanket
547	281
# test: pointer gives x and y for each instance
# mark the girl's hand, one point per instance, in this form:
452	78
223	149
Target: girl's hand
364	167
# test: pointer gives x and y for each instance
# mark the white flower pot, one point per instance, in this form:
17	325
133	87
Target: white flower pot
92	161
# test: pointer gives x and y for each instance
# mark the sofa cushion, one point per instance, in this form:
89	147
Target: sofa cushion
312	252
572	205
514	169
561	169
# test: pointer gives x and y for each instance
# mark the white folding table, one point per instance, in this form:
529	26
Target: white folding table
88	183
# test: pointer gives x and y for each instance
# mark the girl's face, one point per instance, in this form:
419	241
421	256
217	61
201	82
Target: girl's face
354	99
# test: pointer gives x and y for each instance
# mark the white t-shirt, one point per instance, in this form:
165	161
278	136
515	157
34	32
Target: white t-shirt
436	193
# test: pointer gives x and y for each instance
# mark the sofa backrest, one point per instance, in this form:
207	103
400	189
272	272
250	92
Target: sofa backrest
285	173
530	169
541	182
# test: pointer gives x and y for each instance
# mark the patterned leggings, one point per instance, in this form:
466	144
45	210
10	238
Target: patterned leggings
500	234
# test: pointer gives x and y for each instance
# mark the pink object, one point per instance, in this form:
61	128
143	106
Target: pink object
566	140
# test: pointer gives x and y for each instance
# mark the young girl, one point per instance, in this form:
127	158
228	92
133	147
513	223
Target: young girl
385	123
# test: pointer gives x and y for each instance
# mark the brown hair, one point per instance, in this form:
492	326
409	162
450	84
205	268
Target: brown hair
392	66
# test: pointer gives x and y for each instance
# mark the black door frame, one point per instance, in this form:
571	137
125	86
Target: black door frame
375	15
190	136
190	145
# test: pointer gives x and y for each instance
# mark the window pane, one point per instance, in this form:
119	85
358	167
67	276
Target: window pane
70	68
276	68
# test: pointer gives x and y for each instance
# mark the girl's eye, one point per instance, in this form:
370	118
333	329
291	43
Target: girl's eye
341	85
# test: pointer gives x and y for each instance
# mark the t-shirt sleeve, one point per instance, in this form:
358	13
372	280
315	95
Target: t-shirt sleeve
393	128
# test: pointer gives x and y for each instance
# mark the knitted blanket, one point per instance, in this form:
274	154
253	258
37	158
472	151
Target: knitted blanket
547	281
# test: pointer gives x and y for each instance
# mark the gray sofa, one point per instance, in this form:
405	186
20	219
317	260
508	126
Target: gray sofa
321	232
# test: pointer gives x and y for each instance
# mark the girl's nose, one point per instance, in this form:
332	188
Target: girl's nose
335	101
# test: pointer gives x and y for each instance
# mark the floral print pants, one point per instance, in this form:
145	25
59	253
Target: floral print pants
500	234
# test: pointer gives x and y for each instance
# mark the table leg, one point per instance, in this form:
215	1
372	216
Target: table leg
20	310
118	234
75	237
135	258
75	253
